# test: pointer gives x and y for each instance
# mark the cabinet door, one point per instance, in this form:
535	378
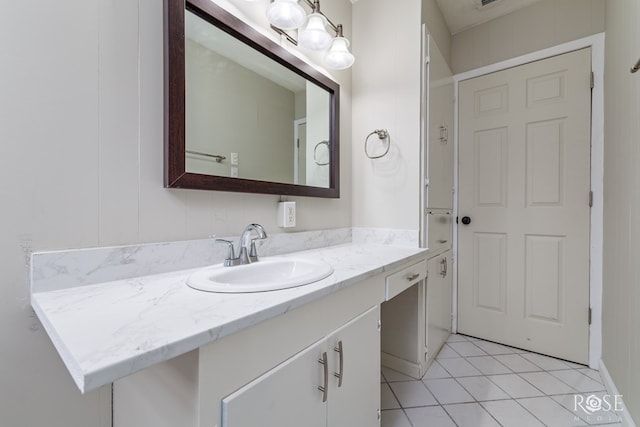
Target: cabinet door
439	229
438	302
286	396
440	166
441	114
356	400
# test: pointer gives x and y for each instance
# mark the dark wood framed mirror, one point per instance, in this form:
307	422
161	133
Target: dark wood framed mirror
242	113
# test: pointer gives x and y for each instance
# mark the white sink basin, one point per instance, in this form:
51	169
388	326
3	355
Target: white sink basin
268	274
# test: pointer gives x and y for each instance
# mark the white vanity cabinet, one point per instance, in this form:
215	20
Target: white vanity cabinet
438	303
271	370
268	374
180	357
328	384
403	318
417	322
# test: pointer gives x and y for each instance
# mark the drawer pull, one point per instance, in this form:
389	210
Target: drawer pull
442	241
324	389
339	374
443	267
412	276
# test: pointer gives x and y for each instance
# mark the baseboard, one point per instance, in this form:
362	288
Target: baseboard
625	416
403	366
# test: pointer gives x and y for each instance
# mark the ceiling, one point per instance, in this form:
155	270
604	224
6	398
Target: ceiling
463	14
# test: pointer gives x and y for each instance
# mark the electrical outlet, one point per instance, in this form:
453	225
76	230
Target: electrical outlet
234	158
287	214
234	172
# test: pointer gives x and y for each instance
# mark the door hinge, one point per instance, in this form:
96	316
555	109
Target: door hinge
590	199
593	80
590	312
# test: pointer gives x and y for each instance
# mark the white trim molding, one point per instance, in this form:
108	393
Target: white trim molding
625	416
596	43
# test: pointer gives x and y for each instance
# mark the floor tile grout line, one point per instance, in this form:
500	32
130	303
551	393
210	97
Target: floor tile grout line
545	393
530	352
497	361
577	414
457	379
523	379
480	405
580	392
528	411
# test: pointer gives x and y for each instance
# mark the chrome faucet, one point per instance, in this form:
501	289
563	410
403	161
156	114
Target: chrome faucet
247	245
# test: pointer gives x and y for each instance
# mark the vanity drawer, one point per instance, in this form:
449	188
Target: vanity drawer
405	278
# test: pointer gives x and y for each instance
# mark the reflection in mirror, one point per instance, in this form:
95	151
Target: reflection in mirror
248	116
242	113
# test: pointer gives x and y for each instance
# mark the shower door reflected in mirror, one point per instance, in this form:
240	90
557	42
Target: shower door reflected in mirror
243	111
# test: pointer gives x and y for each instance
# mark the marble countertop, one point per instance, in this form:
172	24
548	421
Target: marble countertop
106	331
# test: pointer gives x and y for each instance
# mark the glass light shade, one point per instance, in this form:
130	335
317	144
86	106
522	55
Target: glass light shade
339	57
314	35
286	14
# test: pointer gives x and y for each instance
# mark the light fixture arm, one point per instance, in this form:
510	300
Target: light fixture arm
315	8
284	34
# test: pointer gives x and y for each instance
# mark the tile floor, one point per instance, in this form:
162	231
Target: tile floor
478	383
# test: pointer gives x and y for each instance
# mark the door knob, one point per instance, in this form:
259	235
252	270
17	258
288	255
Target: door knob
466	220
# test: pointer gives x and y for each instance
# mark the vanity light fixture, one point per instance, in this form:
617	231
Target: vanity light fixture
286	15
339	57
314	34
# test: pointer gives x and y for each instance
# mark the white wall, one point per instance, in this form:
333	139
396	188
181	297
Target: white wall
82	114
437	27
386	94
541	25
621	288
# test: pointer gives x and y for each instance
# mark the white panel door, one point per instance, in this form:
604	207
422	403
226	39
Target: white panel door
524	177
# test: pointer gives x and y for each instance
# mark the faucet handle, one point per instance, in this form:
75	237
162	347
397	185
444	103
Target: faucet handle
231	255
253	253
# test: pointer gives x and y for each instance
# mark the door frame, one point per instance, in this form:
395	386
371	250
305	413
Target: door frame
296	148
596	43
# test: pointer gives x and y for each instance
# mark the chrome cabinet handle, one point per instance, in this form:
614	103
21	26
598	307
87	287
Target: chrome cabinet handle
443	269
325	388
340	372
412	276
444	134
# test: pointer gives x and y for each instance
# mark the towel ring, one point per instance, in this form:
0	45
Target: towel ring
382	134
315	159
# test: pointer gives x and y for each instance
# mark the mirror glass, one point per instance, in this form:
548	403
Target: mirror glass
242	113
261	120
